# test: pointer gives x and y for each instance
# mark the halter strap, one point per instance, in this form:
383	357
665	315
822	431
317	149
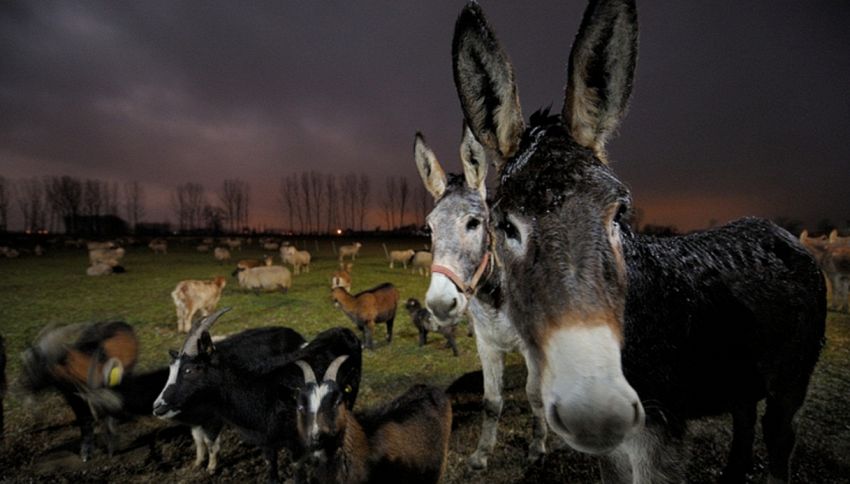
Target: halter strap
471	288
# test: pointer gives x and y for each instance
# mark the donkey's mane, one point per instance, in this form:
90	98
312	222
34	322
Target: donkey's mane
543	118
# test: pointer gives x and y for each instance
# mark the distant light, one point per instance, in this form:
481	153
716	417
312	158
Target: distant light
339	231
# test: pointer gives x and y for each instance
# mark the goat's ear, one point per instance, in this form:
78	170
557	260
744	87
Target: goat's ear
173	354
205	344
429	168
485	84
474	160
601	71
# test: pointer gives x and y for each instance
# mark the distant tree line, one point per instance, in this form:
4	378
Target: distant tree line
53	203
310	202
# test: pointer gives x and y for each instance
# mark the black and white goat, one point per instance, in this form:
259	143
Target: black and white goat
405	441
421	318
257	400
136	394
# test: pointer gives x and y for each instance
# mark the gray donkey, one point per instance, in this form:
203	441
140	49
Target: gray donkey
463	276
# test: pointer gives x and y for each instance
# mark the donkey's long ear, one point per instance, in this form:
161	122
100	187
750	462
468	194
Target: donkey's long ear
485	84
429	168
474	160
601	70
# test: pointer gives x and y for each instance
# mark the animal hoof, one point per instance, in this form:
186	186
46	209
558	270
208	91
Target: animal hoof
536	452
477	461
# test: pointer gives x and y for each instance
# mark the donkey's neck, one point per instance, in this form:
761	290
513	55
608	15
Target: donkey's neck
490	288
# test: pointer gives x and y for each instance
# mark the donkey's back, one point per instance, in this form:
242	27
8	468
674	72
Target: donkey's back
732	315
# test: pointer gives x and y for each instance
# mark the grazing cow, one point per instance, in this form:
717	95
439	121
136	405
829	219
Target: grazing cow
625	330
194	296
349	251
464	277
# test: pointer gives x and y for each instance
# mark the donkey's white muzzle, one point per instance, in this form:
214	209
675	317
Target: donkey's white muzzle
587	400
445	302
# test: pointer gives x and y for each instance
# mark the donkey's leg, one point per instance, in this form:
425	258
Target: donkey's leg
492	366
779	429
740	459
539	428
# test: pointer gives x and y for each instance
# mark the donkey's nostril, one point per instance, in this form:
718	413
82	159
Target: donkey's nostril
638	408
454	304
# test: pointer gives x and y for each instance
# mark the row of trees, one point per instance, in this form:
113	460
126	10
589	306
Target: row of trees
309	202
315	202
77	205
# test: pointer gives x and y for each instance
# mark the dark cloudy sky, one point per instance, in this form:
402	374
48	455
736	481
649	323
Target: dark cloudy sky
739	108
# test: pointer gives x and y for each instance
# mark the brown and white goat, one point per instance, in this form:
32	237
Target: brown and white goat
196	296
833	258
251	263
405	441
66	358
342	277
369	307
350	251
299	259
159	246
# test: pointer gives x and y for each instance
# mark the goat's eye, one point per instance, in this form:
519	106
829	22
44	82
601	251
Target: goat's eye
473	224
187	371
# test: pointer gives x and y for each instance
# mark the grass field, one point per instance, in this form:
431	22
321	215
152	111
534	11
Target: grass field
41	444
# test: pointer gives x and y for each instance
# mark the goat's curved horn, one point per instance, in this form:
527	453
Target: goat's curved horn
190	346
333	368
309	376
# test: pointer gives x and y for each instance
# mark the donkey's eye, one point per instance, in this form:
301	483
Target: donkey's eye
509	229
621	211
473	224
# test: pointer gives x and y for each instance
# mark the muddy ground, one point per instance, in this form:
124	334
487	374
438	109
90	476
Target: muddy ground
41	444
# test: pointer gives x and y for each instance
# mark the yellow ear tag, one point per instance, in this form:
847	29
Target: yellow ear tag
347	388
115	375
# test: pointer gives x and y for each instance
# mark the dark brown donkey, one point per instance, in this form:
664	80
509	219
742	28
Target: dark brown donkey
632	335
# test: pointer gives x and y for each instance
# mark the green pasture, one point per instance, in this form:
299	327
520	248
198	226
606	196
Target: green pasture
54	289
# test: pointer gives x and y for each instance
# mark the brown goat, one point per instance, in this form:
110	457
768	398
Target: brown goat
196	296
367	308
405	441
342	277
